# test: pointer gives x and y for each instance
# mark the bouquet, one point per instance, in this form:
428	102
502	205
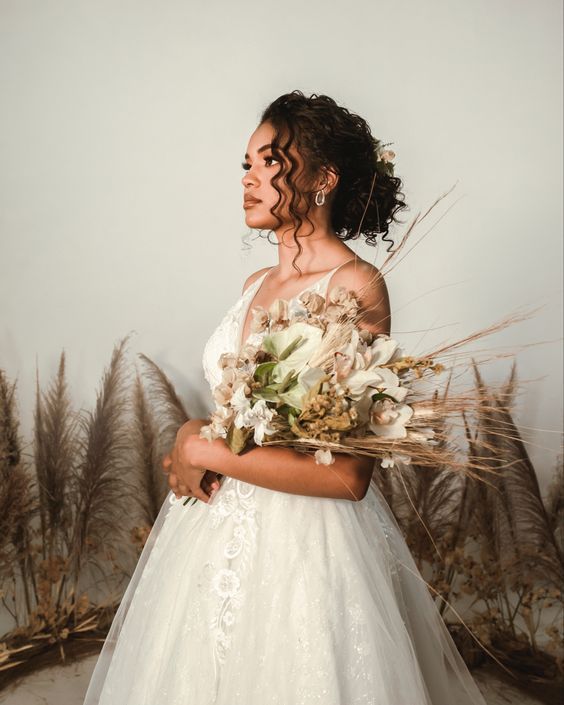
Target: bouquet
319	382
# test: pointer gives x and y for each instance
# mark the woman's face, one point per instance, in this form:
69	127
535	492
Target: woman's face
260	166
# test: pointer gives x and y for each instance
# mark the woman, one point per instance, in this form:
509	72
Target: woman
286	584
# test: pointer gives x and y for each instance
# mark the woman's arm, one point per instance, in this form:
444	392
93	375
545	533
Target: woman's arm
283	469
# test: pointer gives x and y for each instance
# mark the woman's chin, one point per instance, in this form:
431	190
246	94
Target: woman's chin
254	220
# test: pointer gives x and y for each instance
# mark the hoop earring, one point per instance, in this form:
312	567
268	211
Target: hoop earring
268	238
319	201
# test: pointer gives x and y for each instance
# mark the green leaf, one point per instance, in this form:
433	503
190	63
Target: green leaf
289	349
262	372
268	345
266	393
382	395
281	386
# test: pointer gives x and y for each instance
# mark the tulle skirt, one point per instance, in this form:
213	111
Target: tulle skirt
270	598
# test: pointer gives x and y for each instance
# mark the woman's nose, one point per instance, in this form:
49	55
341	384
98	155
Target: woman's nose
249	178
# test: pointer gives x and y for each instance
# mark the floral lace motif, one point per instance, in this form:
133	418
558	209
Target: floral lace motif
225	585
235	503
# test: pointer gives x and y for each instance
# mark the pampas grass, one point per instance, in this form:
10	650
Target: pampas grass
494	543
76	513
491	542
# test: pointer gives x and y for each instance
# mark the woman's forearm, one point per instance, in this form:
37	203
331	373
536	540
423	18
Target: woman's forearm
287	470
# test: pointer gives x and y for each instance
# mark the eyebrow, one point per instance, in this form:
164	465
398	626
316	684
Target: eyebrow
260	149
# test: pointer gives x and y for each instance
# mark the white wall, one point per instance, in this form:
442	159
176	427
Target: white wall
122	129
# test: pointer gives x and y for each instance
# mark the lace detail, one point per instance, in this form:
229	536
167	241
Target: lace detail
221	340
226	585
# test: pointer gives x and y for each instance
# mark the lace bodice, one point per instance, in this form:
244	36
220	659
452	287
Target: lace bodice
225	338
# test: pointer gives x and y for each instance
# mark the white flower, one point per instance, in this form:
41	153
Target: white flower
298	359
389	460
223	640
222	393
388	419
422	435
259	319
228	618
387	155
239	401
225	582
278	310
323	456
307	379
226	504
257	417
383	348
209	432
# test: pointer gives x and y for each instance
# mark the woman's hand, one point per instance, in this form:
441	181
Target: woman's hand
185	477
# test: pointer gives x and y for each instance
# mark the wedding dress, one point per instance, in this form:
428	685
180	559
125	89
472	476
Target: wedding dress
271	598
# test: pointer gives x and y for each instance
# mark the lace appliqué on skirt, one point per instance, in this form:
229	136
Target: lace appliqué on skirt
225	584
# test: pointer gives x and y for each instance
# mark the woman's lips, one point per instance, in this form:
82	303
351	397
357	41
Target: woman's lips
249	203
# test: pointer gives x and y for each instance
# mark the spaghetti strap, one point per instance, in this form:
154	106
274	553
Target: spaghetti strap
324	281
258	281
332	271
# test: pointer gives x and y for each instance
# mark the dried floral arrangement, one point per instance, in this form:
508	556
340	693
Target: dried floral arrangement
318	381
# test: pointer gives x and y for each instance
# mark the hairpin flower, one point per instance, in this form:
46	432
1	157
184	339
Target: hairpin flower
383	158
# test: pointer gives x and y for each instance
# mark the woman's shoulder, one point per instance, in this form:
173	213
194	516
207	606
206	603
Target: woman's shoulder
251	279
358	274
367	282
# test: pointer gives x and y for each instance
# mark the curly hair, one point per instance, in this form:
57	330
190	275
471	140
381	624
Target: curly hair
328	135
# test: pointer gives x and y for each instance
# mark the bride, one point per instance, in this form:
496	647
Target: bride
288	582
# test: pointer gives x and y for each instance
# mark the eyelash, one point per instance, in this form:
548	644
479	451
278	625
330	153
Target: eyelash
246	166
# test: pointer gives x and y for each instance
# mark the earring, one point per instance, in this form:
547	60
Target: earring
320	201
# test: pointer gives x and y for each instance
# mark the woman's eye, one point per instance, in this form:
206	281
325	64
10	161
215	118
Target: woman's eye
246	166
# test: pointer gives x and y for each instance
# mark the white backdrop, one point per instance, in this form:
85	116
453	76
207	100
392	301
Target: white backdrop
122	129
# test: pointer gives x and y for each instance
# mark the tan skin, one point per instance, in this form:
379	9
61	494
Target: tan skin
195	464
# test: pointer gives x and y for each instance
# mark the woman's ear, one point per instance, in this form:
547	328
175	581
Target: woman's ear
328	179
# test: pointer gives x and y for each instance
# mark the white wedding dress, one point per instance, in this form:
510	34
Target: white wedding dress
270	598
